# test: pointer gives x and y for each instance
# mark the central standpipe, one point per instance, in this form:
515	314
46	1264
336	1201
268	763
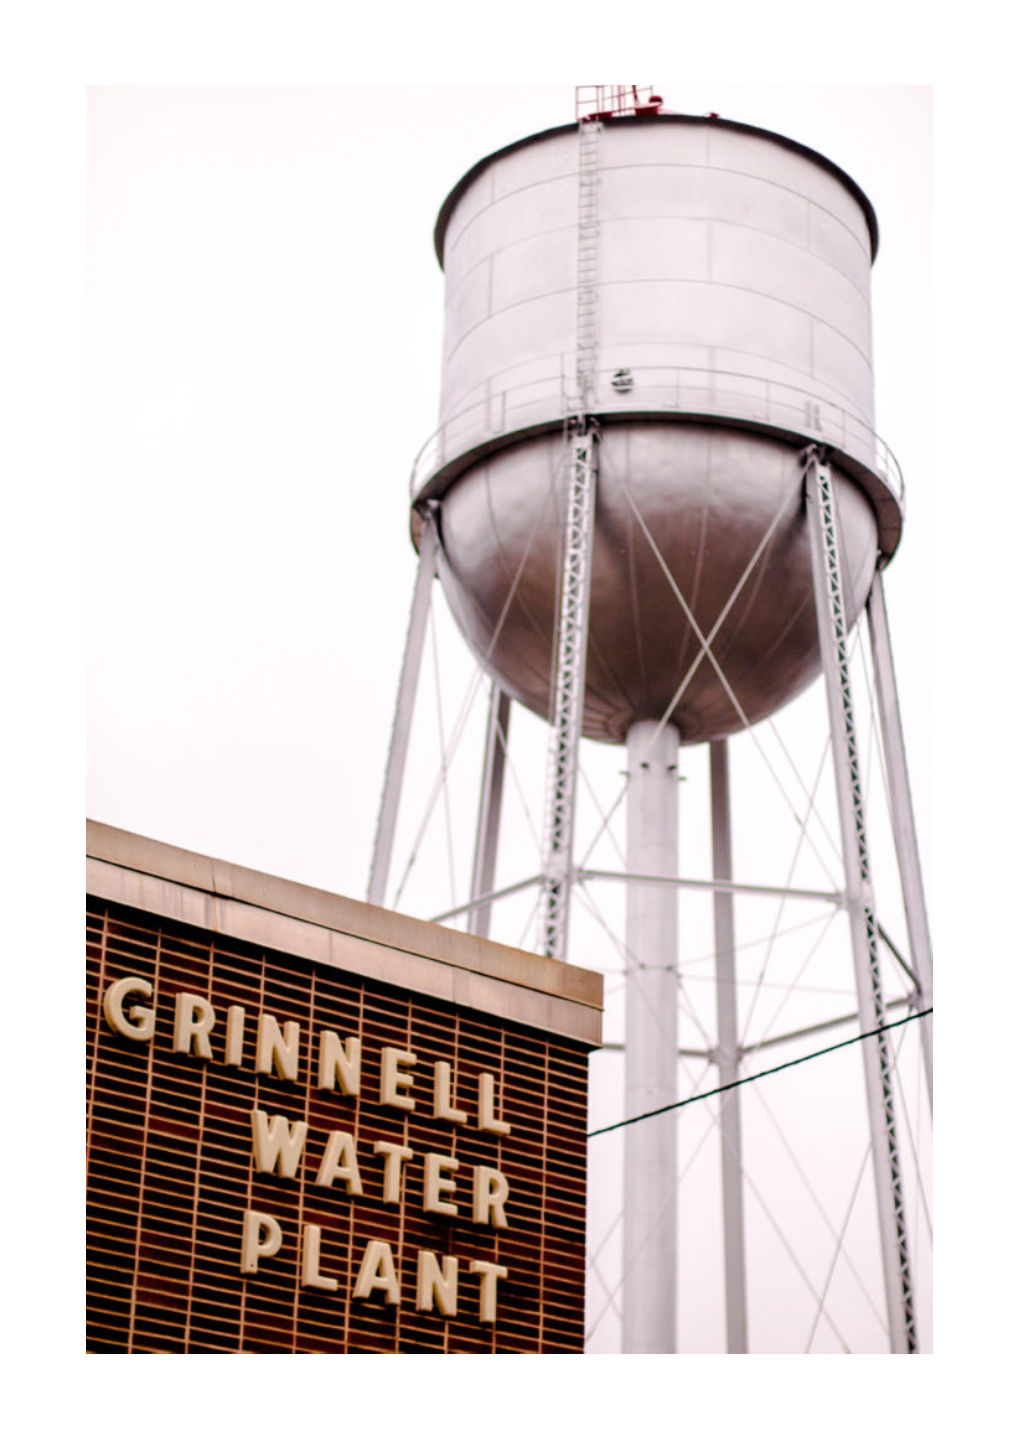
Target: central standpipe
650	1151
728	1054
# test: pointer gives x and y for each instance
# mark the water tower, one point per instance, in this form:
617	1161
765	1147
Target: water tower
657	504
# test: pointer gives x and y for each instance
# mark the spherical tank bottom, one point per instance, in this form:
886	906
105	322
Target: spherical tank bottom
690	518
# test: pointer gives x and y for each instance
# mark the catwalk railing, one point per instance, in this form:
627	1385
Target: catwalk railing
659	390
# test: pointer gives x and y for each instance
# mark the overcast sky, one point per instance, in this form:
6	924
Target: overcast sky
265	322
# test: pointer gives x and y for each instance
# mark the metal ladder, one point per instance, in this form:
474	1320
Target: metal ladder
567	691
587	264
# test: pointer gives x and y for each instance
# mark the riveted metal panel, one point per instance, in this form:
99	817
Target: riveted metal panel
785	169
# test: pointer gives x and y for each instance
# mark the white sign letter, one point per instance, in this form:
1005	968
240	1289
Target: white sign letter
395	1156
491	1190
443	1107
311	1244
378	1274
233	1047
435	1283
140	1022
340	1164
490	1272
487	1118
276	1049
275	1145
194	1019
435	1183
392	1080
260	1237
339	1062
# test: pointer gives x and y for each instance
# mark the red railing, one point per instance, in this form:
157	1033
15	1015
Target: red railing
598	102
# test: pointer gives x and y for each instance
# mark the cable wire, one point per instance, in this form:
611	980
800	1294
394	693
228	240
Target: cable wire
757	1076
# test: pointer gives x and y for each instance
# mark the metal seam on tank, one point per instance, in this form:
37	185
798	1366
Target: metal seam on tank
489	621
743	225
721	285
487	179
715	286
569	229
692	600
867	568
543	633
510	195
686	634
592	688
821	162
665	165
554	355
867	560
593	691
736	127
505	310
687	638
635	607
792	623
608	468
867	563
735	422
649	218
811	204
747	175
484	475
463	602
658	280
739	619
851	406
606	222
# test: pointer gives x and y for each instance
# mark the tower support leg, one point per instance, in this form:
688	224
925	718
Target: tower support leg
728	1056
832	634
567	693
490	807
904	831
650	1148
386	827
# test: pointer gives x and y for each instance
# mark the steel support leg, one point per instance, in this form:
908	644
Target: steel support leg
904	831
650	1149
389	806
567	698
728	1056
490	806
832	634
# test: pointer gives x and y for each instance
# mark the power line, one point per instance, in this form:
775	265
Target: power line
757	1076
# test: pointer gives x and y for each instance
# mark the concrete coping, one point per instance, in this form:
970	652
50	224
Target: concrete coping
354	936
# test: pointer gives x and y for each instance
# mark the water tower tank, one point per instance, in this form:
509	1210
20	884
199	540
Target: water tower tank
734	328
